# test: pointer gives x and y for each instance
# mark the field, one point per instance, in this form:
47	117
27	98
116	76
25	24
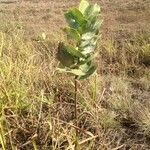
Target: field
37	102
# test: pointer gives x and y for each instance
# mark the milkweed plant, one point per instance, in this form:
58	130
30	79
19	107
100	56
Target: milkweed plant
76	55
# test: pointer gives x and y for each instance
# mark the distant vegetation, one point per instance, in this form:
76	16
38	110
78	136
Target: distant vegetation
37	102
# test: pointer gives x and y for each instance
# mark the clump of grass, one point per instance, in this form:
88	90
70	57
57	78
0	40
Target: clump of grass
130	56
22	76
139	46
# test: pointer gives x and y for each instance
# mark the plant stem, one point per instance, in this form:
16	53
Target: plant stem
76	113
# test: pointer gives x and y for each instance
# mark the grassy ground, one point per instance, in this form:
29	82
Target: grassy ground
36	102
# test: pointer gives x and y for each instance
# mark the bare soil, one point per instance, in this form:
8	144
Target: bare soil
122	18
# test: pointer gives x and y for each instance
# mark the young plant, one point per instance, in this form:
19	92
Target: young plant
76	55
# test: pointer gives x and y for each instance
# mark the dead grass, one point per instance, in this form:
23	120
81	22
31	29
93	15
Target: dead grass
37	106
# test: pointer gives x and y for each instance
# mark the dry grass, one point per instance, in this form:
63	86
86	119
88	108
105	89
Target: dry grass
37	106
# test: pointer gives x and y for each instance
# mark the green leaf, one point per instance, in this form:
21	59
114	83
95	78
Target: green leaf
97	25
76	72
74	52
72	33
78	16
91	70
88	36
86	66
88	46
70	18
96	10
88	49
61	69
88	59
83	44
75	19
65	58
92	10
93	25
83	6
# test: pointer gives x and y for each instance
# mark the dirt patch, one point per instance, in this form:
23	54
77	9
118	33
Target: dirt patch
47	16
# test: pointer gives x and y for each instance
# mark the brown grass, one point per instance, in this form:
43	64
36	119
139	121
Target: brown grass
36	102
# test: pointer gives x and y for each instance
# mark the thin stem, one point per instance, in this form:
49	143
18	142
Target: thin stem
76	113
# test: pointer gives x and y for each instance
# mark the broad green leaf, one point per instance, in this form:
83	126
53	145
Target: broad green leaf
88	46
74	52
88	49
61	69
85	67
64	57
97	24
88	36
78	16
83	6
91	70
96	10
93	25
92	10
94	40
83	44
75	19
72	33
88	59
76	72
71	20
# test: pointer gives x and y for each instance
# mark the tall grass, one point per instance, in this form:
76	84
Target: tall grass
36	103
